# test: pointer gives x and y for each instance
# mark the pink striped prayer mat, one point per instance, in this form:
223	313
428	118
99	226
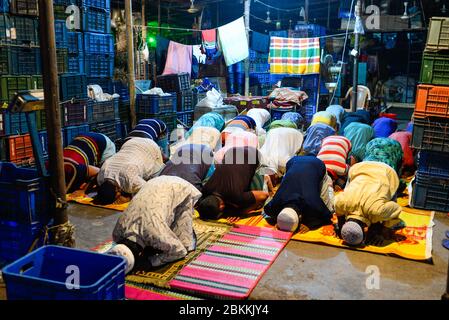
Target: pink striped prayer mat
231	267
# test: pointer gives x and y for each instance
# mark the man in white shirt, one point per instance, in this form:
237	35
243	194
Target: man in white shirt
124	174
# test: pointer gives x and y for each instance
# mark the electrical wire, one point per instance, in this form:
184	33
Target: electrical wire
278	9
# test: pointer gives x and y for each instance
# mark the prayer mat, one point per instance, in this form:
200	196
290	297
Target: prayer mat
414	241
87	199
294	55
146	282
233	265
152	293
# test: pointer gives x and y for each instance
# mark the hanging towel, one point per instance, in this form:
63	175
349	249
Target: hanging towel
210	42
260	42
179	58
294	55
234	42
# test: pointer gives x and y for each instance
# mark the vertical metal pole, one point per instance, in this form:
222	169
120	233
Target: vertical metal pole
159	17
247	8
131	75
355	80
306	9
144	36
52	109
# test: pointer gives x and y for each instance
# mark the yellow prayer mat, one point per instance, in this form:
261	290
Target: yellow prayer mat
82	198
414	241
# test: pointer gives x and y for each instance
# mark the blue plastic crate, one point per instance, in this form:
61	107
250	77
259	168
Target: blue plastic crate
186	118
61	34
75	42
108	128
98	43
24	195
69	133
121	89
73	86
122	129
154	104
98	4
259	78
434	164
104	83
16	239
430	193
76	64
311	109
42	275
16	123
95	20
102	111
4	6
311	30
64	2
26	30
99	65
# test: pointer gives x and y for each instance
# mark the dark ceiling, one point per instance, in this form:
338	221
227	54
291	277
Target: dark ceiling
223	11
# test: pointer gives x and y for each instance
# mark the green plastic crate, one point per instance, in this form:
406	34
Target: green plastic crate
434	69
438	36
9	85
37	82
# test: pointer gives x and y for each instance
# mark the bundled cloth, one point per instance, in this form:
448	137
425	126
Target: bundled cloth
294	55
287	95
96	92
156	91
233	41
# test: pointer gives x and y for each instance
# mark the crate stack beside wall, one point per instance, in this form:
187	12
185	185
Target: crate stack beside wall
431	122
20	69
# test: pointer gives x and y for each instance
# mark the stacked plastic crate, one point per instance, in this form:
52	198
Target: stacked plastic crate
258	71
178	85
20	67
431	122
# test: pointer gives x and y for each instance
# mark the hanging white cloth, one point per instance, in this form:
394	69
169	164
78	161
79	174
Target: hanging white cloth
234	41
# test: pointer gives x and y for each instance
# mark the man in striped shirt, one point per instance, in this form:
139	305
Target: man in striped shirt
153	129
334	153
83	157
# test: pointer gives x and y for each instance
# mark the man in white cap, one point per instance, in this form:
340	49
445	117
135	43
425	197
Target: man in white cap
366	203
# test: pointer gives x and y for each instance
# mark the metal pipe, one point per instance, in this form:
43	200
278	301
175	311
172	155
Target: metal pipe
131	74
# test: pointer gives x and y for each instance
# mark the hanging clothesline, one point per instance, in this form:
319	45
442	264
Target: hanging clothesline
196	30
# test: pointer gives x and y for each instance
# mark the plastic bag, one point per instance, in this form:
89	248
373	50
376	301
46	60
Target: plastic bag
213	100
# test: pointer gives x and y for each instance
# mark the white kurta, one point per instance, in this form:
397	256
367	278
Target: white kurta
160	216
280	146
138	160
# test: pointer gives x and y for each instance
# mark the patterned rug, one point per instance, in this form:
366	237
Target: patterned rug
233	265
147	283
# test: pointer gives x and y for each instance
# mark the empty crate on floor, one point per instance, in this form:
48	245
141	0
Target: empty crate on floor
431	134
104	277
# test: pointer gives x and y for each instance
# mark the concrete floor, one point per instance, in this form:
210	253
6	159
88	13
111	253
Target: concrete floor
312	271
